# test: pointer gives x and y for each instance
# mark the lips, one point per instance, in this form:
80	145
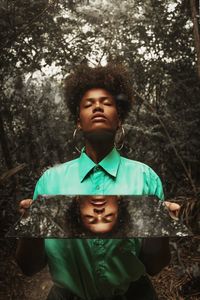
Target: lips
98	203
99	117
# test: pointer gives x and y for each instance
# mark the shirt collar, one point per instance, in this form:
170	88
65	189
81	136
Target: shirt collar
110	163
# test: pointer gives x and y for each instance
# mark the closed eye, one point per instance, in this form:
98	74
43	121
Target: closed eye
107	101
87	104
90	219
109	217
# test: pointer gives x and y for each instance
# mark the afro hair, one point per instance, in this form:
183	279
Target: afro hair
113	78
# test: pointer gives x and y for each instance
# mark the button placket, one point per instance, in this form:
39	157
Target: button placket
96	178
99	247
99	254
100	270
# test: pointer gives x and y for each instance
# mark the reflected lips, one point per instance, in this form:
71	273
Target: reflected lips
98	200
98	203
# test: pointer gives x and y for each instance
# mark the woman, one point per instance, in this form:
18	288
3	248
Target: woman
99	99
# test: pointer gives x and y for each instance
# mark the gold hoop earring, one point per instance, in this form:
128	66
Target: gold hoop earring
74	139
119	142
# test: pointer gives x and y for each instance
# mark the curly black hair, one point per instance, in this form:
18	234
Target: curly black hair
113	78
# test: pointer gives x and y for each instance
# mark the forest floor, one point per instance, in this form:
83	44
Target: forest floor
16	286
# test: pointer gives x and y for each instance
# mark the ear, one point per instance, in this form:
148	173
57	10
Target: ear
78	124
119	124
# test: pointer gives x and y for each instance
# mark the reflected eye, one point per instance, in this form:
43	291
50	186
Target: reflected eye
90	219
109	217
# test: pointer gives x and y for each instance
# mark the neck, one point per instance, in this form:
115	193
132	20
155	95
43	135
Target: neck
97	150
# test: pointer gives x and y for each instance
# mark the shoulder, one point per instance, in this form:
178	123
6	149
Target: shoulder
143	175
137	166
60	169
53	179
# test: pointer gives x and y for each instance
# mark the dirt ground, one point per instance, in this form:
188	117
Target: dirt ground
16	286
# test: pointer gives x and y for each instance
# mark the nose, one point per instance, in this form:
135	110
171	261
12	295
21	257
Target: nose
99	210
97	106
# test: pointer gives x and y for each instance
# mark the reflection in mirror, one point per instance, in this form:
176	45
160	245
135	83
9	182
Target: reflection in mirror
99	215
90	216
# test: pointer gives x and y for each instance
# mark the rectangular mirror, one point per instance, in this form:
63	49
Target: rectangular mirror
90	216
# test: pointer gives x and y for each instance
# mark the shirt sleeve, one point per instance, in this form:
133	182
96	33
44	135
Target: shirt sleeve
154	185
39	188
159	189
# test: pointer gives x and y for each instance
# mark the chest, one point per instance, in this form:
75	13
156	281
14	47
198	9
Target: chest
99	182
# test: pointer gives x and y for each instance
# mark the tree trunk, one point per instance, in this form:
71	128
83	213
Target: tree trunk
196	33
4	144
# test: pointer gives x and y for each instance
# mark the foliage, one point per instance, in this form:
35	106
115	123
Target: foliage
43	40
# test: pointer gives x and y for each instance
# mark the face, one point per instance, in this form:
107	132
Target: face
99	213
98	112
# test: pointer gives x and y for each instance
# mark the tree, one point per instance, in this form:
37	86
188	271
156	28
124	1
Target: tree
51	35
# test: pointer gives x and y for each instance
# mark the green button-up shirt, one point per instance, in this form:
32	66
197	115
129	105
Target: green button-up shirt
100	267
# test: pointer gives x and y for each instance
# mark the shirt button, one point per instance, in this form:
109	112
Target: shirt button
98	242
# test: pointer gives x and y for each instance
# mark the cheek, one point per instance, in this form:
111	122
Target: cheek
86	210
114	209
116	118
84	117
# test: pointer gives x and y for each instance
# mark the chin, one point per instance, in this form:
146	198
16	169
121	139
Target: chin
100	133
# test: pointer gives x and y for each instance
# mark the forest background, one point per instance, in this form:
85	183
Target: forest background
40	44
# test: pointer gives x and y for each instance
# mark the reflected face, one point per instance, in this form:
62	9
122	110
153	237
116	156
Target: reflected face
98	112
99	213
